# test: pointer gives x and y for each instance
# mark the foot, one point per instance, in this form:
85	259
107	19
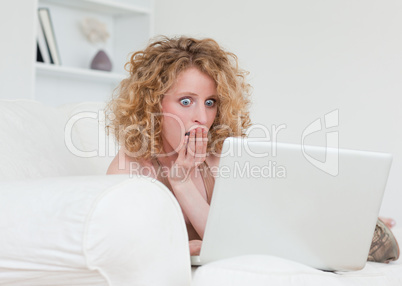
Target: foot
384	247
389	222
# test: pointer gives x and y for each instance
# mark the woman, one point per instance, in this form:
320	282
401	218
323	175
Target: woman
183	98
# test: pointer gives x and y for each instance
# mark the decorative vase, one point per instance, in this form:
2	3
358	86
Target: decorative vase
101	62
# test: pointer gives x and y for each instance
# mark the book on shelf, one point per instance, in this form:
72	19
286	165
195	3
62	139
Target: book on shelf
42	48
39	57
49	36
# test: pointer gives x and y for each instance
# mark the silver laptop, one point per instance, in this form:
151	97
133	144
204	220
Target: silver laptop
313	205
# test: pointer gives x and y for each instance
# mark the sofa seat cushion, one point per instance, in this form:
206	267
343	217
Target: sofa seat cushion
258	270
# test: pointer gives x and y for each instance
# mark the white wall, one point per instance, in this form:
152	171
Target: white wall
308	58
17	33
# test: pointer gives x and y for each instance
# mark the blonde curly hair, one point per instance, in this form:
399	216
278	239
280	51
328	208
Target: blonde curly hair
153	71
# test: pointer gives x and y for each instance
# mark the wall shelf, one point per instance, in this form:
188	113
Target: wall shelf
129	24
102	6
78	73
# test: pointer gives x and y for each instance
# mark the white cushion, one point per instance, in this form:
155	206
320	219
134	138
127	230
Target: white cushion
87	123
262	270
92	230
34	140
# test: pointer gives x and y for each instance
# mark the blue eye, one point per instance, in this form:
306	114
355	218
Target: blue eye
185	101
210	102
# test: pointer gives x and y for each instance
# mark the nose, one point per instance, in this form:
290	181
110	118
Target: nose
200	115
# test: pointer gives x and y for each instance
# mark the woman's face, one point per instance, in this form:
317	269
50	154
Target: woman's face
190	103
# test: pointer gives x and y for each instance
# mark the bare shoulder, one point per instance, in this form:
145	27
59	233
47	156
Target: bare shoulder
124	164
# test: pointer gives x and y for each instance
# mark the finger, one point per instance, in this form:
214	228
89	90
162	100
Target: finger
201	147
183	149
177	171
205	141
195	247
188	136
191	144
199	144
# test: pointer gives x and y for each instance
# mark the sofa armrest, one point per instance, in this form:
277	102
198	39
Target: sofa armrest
105	230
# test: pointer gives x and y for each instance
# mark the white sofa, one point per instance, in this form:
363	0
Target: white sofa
63	222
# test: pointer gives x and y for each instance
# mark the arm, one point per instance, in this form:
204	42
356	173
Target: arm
189	157
192	204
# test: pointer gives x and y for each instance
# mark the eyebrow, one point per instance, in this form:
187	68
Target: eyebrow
194	94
